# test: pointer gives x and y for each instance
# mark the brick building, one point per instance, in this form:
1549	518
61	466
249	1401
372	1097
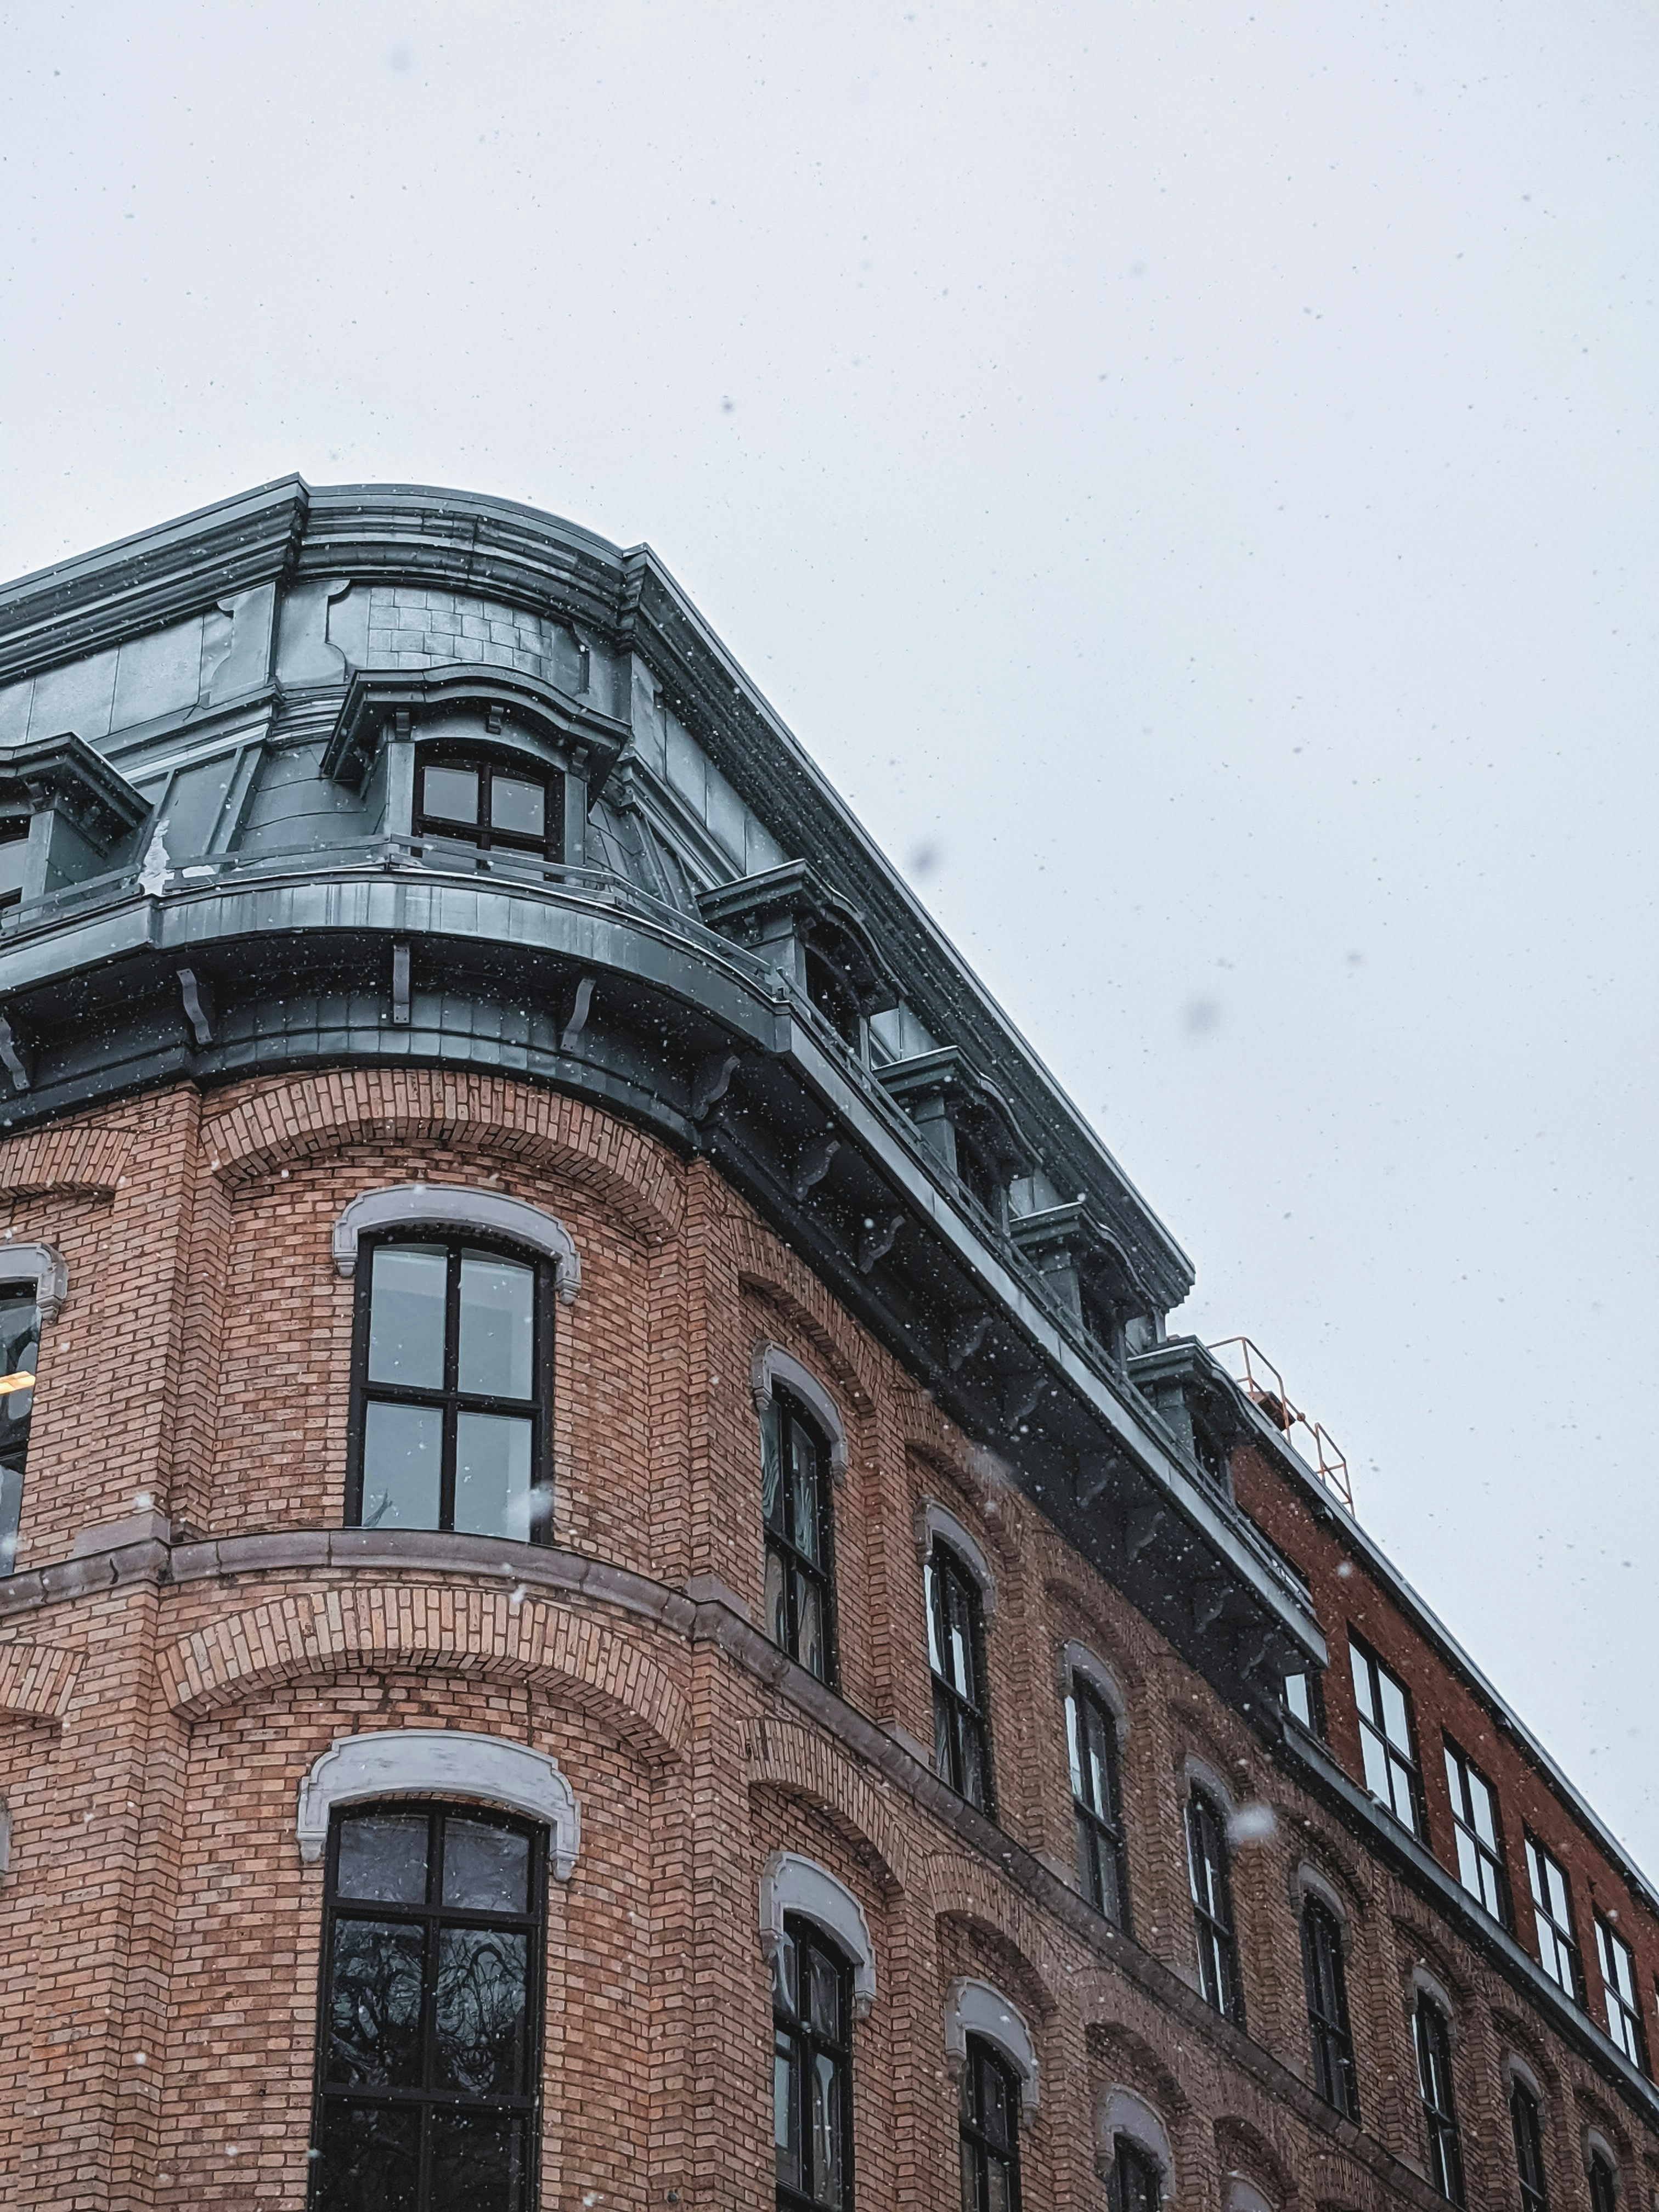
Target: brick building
618	1593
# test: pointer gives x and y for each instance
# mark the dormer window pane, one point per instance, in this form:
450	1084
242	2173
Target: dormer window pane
450	795
518	807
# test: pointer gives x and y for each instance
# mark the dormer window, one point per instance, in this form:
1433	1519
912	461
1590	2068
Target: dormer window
497	806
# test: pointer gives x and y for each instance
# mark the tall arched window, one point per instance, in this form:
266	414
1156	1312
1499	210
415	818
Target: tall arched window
1136	2185
989	2128
955	1652
428	2056
19	1349
1097	1801
452	1381
1525	2123
811	2069
1325	1980
795	1509
1603	2184
1432	2037
1209	1871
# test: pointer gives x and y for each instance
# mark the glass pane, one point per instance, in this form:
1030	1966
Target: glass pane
450	793
477	2162
1376	1764
1072	1739
518	807
481	2011
366	2159
1362	1682
374	2005
970	2185
19	1344
383	1858
997	2197
930	1593
1486	1824
803	1486
777	1610
403	1464
1394	1713
809	1626
492	1475
11	1508
1297	1698
486	1869
498	1325
825	2125
973	1764
1468	1863
406	1315
826	1998
786	2105
785	1966
771	1467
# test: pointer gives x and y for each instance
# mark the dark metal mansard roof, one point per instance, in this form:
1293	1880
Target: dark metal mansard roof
235	669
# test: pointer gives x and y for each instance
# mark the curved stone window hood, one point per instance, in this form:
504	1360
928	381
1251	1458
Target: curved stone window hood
975	2008
446	1763
456	1205
496	710
44	1266
791	1884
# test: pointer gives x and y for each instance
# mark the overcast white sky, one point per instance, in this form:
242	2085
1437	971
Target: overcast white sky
1187	473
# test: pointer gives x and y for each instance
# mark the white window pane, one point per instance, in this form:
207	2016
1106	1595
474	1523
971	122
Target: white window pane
518	807
1362	1682
450	793
406	1315
1469	1862
1376	1765
492	1476
403	1466
1394	1723
1485	1822
498	1325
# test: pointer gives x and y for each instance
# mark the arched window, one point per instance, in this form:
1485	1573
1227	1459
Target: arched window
430	2034
1097	1801
1322	1972
1210	1873
1136	2185
955	1652
498	804
795	1511
988	2127
19	1349
1432	2038
811	2069
1525	2122
452	1386
1603	2184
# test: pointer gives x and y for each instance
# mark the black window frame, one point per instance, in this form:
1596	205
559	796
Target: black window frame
1373	1728
1134	2169
15	1427
483	835
978	2147
1102	1853
1563	1938
1431	2041
452	1402
1312	1721
1527	2126
1490	1860
962	1716
1626	2029
432	1916
1209	1877
785	1414
809	2043
1603	2178
1325	1982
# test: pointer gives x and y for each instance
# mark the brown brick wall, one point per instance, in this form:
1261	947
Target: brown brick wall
153	1733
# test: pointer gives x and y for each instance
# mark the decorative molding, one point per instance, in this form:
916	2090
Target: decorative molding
44	1266
441	1763
791	1884
37	1681
1077	1658
770	1365
937	1523
457	1205
1308	1881
1124	2113
1515	2068
974	2008
1423	1984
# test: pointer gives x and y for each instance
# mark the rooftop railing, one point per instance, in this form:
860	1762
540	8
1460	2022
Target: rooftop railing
1264	1386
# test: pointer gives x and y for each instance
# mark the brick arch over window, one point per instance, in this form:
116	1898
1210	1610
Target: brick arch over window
779	1755
293	1120
958	1889
477	1633
771	1280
